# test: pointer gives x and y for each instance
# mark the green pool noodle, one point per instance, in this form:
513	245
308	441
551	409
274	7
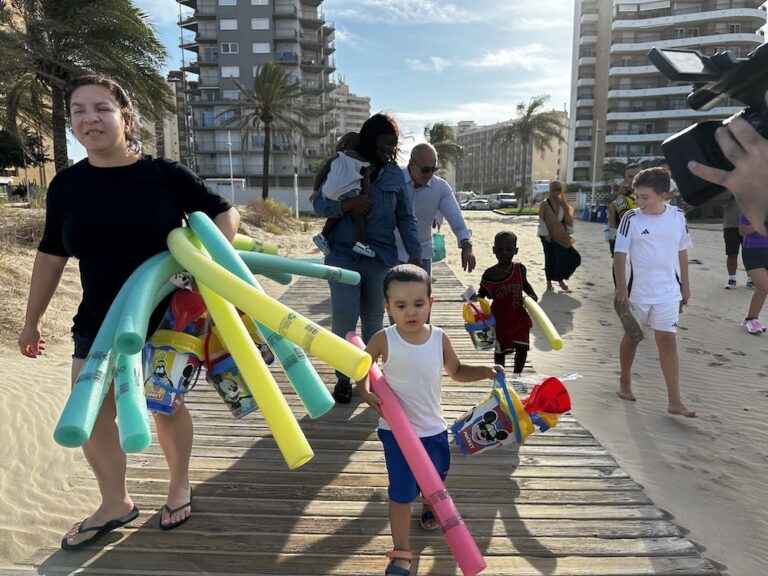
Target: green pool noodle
276	275
261	263
301	374
243	242
82	407
131	330
132	414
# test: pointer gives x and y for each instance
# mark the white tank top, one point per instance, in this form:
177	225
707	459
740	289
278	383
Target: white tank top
414	372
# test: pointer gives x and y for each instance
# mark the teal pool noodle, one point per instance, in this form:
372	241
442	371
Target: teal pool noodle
276	275
301	374
79	414
131	330
262	263
132	414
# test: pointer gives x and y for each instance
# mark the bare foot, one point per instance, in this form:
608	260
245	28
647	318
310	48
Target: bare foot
564	287
625	393
680	409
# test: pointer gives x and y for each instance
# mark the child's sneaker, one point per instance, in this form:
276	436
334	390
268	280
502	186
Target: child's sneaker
363	250
322	243
753	326
750	284
731	285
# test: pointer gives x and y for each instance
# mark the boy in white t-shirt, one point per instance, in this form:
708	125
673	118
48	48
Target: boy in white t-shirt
345	175
655	237
413	355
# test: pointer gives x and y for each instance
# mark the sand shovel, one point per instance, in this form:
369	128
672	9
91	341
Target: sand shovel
186	306
631	327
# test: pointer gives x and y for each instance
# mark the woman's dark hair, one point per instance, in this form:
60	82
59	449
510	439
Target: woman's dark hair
380	124
407	273
132	135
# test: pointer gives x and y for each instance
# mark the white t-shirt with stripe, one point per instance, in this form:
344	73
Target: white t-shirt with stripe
653	243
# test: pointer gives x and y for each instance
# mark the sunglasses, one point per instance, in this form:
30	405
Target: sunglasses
426	169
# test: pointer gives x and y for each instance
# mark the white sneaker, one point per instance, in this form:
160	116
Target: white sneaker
753	326
750	284
731	285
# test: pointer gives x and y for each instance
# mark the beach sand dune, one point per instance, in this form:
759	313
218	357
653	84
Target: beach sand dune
707	473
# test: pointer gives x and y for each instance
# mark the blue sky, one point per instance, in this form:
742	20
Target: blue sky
437	60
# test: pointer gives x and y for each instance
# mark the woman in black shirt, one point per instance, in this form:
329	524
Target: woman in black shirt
112	211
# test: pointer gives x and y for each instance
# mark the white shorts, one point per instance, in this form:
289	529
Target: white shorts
662	317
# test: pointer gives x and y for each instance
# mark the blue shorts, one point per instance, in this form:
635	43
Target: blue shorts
403	488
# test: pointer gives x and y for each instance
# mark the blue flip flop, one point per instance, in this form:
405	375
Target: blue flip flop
99	530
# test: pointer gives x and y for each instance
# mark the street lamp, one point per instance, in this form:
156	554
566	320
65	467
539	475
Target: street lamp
231	173
594	163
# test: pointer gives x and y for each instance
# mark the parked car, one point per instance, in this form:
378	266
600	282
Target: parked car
503	200
476	204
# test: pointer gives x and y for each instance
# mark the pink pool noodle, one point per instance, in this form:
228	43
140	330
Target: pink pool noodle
456	534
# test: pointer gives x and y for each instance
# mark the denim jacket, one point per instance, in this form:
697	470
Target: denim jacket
391	207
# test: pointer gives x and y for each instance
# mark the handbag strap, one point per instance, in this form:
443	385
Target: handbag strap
502	383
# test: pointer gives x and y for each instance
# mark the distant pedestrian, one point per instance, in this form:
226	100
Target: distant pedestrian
754	254
732	238
625	200
556	233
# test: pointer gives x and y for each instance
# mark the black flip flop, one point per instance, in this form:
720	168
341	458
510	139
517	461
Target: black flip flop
99	530
173	525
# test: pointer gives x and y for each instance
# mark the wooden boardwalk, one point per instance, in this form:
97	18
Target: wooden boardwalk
559	505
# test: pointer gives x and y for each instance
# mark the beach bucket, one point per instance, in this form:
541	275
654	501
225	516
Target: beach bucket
480	324
172	362
222	373
492	423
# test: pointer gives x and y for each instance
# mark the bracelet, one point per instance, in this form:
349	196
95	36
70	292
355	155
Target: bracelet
466	244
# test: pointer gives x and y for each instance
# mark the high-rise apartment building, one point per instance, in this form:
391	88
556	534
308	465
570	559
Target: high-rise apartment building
622	108
552	163
349	110
172	136
231	39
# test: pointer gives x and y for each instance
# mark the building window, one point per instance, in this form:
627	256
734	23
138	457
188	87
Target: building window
734	28
226	115
259	2
259	23
261	48
230	94
227	2
230	71
230	47
228	24
692	32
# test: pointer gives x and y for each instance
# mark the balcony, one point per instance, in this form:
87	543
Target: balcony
285	57
586	40
721	40
285	11
584	123
286	34
625	138
582	163
587	61
665	18
720	111
592	17
584	82
585	102
311	19
632	70
649	91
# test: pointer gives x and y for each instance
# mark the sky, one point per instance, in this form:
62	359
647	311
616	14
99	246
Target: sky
431	61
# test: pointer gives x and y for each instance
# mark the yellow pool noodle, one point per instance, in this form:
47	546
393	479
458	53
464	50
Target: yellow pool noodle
314	339
543	322
243	242
282	423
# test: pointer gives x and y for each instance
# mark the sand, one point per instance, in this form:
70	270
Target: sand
707	473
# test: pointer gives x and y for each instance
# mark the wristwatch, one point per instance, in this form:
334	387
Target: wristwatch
465	244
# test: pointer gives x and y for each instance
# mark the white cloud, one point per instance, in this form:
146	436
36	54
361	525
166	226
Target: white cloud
343	35
540	23
161	12
529	57
435	63
415	12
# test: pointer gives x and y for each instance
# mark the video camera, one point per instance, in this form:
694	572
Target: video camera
714	79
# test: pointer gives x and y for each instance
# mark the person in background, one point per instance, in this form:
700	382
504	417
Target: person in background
732	238
387	208
625	200
414	354
432	196
754	254
112	211
555	229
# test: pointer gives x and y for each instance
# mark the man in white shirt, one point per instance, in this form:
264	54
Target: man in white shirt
432	195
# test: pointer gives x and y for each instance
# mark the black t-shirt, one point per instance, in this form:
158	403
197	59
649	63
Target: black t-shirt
113	219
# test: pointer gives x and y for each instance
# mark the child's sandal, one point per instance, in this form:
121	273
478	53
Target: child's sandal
394	570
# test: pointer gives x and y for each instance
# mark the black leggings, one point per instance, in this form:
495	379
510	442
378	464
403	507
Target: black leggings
521	355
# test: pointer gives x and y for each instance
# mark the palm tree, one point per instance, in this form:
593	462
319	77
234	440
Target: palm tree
273	104
535	129
44	44
443	138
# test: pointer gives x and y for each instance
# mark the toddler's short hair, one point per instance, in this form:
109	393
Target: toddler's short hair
407	273
657	179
